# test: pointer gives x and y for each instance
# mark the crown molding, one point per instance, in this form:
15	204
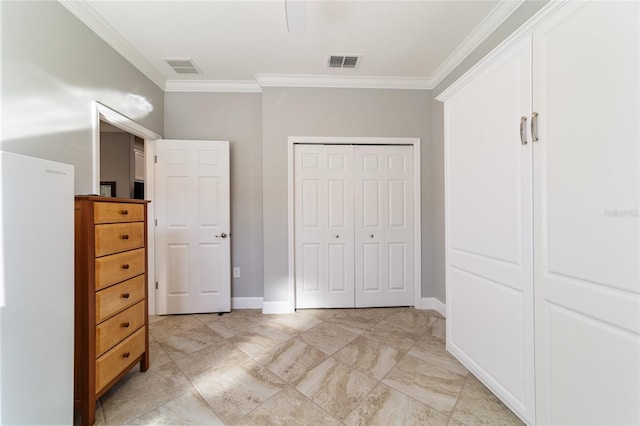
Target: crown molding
85	13
523	31
489	24
237	86
353	82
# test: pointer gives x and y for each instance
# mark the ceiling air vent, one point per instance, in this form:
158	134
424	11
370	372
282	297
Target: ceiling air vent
344	61
183	66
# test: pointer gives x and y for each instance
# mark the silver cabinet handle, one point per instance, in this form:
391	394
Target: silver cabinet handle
223	235
523	130
534	127
337	235
371	236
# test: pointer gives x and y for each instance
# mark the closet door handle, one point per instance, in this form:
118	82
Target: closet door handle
534	127
523	130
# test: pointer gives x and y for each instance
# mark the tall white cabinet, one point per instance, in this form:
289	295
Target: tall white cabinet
542	183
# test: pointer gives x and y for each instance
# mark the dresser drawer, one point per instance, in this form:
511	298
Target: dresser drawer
115	329
118	237
118	267
117	212
118	297
109	365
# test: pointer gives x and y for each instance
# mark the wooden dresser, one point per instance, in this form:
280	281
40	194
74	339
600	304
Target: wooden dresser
111	334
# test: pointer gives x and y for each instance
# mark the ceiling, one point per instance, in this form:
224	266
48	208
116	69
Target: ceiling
244	45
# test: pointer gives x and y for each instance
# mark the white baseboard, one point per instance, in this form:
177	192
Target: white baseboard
435	304
276	308
246	303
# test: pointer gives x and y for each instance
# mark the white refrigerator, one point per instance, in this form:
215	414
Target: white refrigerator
36	290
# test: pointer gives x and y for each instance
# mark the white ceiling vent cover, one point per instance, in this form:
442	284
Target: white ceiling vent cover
344	61
183	66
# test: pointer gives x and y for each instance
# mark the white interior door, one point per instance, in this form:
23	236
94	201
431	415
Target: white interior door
587	203
384	226
323	186
193	248
489	271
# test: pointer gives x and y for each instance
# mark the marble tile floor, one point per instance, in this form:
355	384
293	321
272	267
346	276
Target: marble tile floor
380	366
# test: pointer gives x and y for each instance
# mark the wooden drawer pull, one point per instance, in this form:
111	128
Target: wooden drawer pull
126	324
125	237
126	355
125	295
124	212
125	266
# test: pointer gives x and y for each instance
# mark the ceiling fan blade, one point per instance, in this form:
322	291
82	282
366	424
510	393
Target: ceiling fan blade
296	12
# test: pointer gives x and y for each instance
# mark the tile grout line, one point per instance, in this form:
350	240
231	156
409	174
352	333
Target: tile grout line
193	387
458	398
404	355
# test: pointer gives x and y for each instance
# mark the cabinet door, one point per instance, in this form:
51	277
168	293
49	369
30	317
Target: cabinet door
324	235
587	202
488	186
384	226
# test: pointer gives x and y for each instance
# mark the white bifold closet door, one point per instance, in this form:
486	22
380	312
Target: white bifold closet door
353	225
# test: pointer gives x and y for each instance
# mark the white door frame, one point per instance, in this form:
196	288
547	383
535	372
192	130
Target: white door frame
116	119
415	142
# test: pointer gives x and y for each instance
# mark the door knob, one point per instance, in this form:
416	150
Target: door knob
371	236
223	235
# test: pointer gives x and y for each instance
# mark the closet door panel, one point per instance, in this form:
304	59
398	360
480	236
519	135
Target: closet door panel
587	204
488	187
323	222
384	226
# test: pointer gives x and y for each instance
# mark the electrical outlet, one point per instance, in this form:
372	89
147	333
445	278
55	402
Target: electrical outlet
236	272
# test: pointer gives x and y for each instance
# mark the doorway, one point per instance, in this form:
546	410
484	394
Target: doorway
104	114
122	166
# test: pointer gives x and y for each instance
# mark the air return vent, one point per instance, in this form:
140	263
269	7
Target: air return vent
344	61
183	66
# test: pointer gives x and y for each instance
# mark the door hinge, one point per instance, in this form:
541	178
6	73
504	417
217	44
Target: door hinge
156	222
155	158
156	285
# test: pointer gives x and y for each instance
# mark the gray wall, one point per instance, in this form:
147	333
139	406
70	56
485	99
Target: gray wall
519	17
334	112
236	117
115	155
53	69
